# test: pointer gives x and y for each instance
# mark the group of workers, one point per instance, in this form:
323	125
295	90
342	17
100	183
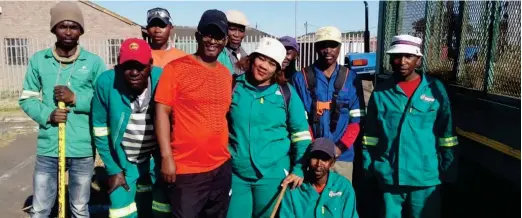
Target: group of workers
220	132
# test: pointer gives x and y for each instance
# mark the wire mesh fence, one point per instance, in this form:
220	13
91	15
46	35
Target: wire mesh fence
15	54
506	76
473	44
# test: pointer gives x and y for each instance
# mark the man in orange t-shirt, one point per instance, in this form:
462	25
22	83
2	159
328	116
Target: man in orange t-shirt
158	28
193	97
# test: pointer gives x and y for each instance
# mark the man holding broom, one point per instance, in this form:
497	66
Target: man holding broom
64	73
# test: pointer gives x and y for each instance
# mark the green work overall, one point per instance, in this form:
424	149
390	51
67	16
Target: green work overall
263	133
43	74
409	145
146	195
337	200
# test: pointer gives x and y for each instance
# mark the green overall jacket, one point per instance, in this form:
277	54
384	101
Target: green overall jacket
111	111
266	134
337	200
42	76
410	142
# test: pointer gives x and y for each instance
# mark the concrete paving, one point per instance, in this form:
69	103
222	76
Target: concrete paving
16	172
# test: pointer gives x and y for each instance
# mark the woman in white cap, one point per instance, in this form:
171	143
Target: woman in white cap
267	123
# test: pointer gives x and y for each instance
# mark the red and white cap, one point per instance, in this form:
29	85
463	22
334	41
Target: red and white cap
135	49
406	44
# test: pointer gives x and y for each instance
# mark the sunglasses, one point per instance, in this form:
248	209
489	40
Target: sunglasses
158	13
327	44
209	37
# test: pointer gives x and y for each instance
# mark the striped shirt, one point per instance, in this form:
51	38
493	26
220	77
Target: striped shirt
139	139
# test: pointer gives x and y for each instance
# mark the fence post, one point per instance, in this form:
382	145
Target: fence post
380	40
458	36
389	29
427	19
492	44
462	46
398	18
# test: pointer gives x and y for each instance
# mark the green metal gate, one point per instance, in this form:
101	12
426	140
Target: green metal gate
472	44
474	48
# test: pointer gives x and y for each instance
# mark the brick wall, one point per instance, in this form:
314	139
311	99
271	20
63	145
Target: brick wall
25	29
31	19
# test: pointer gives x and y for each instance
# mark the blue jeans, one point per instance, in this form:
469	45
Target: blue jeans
45	184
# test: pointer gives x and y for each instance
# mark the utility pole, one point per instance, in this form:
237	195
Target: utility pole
366	31
306	28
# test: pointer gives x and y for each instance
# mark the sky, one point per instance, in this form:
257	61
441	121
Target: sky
277	18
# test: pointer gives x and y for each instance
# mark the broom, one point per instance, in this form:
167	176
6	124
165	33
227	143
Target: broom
281	194
61	166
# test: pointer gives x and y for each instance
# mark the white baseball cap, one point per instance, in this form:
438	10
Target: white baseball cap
237	17
406	44
328	33
272	48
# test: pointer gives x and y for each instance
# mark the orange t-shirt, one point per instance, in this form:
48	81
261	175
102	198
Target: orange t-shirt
163	57
200	97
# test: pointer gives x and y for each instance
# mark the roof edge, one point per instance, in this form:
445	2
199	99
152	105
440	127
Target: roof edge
108	12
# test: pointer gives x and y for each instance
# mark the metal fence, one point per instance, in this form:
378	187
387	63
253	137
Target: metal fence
15	54
472	44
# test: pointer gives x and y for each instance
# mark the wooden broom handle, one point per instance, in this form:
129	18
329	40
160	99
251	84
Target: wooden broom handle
281	194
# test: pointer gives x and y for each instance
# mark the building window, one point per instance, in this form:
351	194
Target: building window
16	51
114	50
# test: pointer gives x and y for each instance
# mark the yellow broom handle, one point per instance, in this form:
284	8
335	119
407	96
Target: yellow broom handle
61	166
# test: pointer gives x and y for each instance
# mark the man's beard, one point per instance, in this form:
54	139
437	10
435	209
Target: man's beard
234	46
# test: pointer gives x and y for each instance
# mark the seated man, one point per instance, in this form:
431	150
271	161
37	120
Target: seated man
324	193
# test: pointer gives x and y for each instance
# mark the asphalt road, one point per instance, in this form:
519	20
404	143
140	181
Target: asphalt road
16	172
17	160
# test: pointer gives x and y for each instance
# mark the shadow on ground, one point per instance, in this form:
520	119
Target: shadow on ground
477	193
99	201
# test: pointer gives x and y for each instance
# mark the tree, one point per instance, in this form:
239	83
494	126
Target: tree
419	27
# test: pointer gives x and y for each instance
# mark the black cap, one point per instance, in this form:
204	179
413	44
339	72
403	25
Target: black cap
325	145
215	17
158	13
